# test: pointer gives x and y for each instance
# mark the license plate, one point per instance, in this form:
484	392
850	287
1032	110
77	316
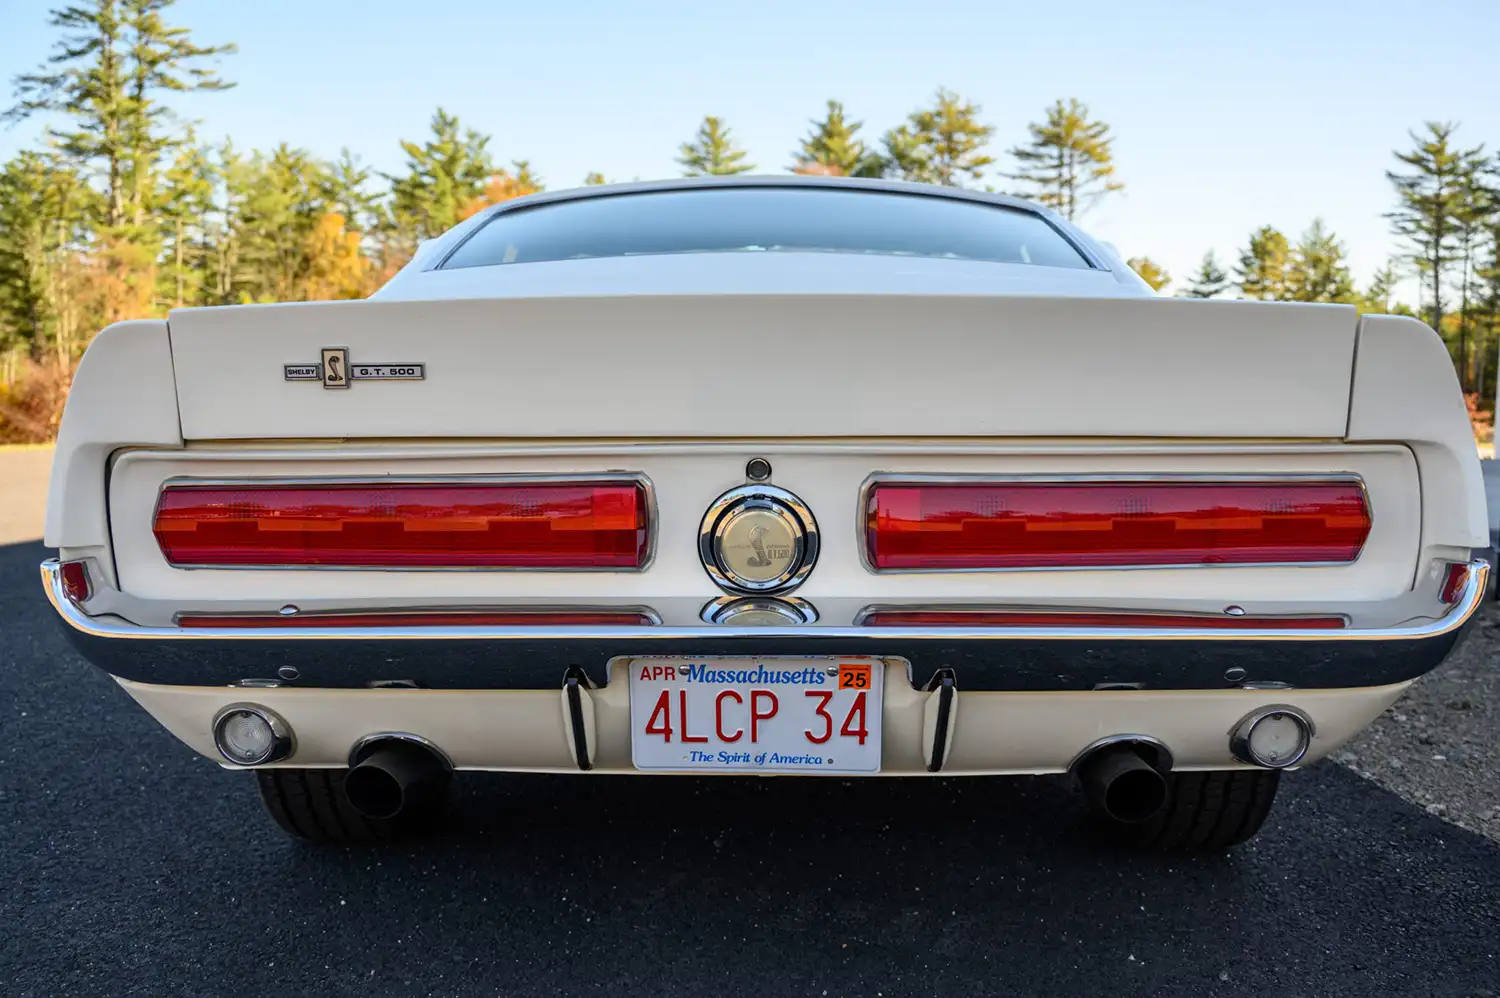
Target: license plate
757	715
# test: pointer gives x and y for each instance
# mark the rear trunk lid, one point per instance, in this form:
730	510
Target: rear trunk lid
770	365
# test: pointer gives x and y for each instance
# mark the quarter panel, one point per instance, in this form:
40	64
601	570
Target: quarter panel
122	395
1405	389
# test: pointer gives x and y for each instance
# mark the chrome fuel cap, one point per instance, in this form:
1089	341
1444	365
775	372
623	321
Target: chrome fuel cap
758	539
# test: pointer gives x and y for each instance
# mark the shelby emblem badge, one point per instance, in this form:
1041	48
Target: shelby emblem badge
336	372
758	539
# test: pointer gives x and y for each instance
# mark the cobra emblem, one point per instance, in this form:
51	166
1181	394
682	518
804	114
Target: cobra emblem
757	542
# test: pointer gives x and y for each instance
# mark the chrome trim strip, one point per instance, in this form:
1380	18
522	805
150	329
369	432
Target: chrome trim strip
116	628
861	533
324	452
360	749
864	614
1164	754
653	521
651	615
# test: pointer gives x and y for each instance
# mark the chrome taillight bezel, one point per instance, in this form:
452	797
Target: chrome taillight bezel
879	479
645	558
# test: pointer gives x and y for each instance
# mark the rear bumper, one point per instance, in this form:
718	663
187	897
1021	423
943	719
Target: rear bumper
992	733
996	659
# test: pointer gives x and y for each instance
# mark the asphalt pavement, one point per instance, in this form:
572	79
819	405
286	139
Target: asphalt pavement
129	865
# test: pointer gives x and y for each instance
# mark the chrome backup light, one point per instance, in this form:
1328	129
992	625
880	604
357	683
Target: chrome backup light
250	735
1273	737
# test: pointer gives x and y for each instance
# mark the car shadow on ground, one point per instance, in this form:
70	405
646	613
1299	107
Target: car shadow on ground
132	865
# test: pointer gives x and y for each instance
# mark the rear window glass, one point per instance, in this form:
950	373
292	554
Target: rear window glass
767	220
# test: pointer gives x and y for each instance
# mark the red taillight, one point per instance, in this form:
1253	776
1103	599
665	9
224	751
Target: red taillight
75	581
994	525
540	525
419	618
1012	618
1454	581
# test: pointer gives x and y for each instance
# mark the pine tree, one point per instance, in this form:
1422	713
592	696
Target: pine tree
44	206
163	59
1261	272
1477	204
712	152
346	188
283	206
1150	271
1427	199
115	58
833	149
1209	281
86	77
443	176
906	156
1318	270
942	144
1069	162
1376	298
1486	291
234	176
183	204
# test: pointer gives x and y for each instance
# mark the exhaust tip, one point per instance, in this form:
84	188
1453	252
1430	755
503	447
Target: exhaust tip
1125	779
394	774
1135	796
374	792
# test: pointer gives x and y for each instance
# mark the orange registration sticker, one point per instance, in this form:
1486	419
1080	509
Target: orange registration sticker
854	675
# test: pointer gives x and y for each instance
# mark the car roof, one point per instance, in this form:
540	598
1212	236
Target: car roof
766	180
431	253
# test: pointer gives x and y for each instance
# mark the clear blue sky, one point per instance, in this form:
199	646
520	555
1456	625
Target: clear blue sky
1227	116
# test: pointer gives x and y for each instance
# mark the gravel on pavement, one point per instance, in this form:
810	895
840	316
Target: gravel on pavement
1439	745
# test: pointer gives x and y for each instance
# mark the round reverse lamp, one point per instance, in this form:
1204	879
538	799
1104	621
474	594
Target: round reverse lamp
249	735
1274	738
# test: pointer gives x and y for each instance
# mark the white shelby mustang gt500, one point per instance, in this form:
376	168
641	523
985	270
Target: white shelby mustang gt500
767	476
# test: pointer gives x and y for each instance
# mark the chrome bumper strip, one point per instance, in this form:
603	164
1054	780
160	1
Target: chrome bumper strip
983	658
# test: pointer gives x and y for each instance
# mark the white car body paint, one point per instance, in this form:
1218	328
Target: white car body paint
831	366
999	733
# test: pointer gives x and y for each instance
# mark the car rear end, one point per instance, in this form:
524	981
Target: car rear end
841	534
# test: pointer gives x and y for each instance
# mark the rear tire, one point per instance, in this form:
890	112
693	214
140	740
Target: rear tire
310	804
1207	811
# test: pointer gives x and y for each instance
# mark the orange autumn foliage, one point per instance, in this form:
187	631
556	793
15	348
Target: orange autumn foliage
336	266
31	406
1483	420
808	168
121	280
